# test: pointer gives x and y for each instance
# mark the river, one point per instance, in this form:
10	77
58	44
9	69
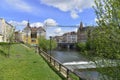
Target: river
68	56
74	56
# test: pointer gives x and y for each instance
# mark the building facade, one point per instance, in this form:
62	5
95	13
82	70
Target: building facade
18	36
70	37
30	35
58	39
6	31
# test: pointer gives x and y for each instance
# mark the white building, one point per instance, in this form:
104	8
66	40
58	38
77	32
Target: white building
6	30
70	37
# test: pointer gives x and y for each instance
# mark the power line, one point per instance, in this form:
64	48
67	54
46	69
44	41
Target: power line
62	26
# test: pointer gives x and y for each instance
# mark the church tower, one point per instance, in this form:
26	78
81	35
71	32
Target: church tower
81	26
28	24
79	31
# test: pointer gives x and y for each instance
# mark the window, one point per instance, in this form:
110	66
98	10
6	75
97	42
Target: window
34	35
33	40
27	35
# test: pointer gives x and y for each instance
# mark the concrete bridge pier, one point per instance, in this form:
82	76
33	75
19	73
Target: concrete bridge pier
68	46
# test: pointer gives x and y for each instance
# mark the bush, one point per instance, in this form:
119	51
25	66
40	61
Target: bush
81	46
45	44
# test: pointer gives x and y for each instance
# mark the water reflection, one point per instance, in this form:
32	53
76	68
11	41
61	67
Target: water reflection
88	74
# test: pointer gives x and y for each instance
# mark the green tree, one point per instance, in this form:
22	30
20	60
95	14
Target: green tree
10	40
105	39
45	44
81	46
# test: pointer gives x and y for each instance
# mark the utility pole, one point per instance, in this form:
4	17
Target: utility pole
50	45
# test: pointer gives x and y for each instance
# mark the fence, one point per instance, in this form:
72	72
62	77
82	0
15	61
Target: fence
59	67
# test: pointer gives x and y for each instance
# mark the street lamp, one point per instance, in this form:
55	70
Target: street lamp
50	44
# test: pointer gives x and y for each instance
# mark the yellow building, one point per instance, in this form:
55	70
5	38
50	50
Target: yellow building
30	35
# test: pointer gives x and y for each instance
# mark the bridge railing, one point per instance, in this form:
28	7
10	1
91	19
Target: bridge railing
60	67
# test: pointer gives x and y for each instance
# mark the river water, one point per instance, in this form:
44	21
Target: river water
73	56
68	56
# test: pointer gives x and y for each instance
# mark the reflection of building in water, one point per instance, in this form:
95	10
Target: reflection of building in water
31	35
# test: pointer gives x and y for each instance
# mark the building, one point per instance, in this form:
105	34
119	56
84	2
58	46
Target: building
67	40
82	33
58	39
70	37
30	35
6	31
18	36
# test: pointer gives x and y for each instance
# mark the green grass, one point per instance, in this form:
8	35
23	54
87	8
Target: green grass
73	76
25	64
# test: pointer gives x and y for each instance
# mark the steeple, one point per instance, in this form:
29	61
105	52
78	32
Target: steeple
81	25
28	24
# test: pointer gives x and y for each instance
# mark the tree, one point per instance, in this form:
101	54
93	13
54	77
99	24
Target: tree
45	44
107	35
81	46
6	46
105	39
10	40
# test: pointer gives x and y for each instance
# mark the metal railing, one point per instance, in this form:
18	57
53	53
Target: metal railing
59	66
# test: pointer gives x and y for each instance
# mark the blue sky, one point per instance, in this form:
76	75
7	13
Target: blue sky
50	12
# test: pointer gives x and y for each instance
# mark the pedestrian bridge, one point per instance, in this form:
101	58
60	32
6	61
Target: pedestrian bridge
82	65
66	45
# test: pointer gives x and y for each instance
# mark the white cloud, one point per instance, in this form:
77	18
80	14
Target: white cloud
74	15
18	25
75	29
58	31
72	6
22	24
50	22
96	20
37	24
20	5
15	23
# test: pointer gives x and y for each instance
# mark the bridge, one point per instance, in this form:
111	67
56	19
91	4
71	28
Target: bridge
66	45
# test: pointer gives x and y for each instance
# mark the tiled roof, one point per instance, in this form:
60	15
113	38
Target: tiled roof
41	29
33	29
70	33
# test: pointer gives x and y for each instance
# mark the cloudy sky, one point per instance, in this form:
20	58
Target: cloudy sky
48	12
